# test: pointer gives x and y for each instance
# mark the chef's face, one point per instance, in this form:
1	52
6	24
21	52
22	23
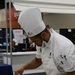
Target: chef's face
37	40
43	36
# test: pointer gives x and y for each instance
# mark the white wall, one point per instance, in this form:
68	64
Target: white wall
54	20
2	15
2	18
60	20
61	1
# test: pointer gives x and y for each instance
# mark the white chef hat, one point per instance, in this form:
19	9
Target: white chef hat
31	21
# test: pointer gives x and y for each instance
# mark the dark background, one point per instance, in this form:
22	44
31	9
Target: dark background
69	35
2	4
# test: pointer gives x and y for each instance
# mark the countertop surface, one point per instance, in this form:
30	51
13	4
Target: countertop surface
20	53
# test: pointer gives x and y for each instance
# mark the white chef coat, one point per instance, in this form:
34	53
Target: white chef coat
58	55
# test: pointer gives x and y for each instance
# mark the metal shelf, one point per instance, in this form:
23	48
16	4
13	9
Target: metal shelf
21	53
33	71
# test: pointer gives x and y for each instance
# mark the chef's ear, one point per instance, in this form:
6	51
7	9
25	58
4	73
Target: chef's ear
43	35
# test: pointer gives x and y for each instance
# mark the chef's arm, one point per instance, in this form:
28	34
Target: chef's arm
31	65
71	73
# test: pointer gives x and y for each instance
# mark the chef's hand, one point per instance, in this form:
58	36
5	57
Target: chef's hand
19	71
71	73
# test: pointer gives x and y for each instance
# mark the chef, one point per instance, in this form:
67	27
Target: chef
55	52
